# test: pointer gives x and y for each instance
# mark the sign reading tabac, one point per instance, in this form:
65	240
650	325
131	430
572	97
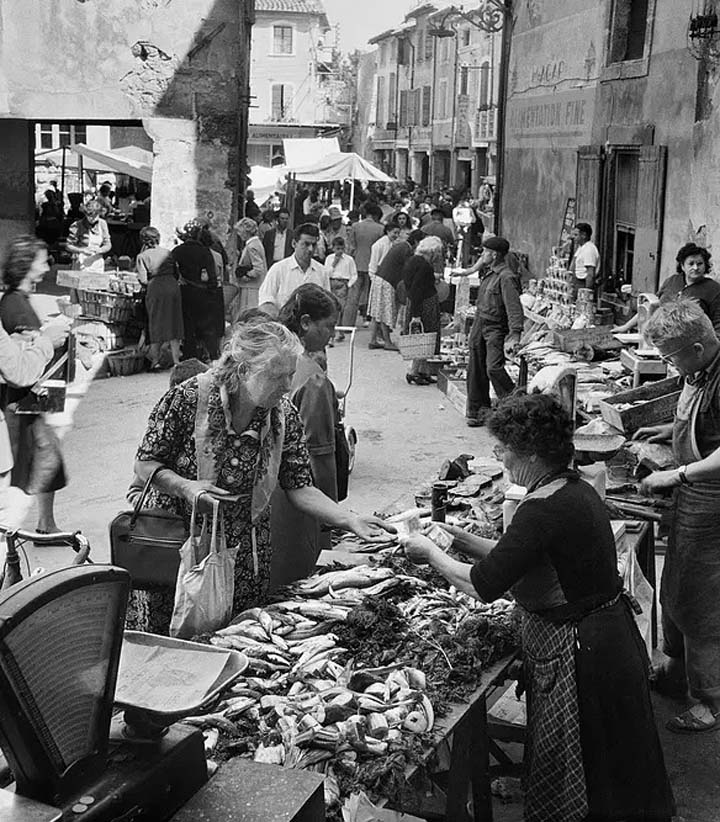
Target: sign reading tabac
562	120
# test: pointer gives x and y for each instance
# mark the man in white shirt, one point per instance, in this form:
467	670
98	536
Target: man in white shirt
584	263
284	277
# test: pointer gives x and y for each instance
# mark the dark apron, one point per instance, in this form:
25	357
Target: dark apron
690	586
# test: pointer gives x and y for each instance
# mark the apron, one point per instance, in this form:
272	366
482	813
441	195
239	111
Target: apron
556	787
690	585
90	260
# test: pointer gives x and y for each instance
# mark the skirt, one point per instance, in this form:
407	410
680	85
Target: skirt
382	305
164	309
38	462
429	317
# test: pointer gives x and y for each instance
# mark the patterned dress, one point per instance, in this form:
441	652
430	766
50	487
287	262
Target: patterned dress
169	439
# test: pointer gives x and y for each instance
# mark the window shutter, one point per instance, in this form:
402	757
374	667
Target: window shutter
650	211
403	108
589	186
277	102
426	101
411	109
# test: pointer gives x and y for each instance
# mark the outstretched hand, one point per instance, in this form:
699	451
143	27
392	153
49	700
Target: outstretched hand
371	528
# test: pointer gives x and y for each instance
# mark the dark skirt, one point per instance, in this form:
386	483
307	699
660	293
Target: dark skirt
38	463
624	764
164	309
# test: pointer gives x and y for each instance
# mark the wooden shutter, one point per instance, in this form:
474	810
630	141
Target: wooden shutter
650	212
589	185
403	108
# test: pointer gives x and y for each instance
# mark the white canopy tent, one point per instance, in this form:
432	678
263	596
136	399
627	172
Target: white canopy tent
341	166
130	160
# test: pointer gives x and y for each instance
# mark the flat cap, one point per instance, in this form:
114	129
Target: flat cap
499	244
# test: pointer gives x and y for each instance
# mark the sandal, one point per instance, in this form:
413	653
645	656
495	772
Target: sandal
688	723
667	684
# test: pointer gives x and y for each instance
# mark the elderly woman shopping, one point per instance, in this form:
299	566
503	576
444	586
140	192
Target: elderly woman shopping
251	268
420	273
690	586
593	751
231	431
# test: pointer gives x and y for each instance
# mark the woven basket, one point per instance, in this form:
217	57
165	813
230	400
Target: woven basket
102	305
417	345
126	362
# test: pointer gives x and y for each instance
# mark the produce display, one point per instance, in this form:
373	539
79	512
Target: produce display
348	673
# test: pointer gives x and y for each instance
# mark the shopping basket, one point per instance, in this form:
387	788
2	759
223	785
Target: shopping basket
417	345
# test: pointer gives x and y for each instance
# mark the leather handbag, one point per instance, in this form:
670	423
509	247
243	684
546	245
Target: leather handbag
146	542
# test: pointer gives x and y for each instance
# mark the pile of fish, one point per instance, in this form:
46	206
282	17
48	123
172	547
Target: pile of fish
301	701
447	608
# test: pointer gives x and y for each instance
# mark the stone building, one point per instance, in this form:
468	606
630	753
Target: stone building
292	77
608	106
436	98
179	70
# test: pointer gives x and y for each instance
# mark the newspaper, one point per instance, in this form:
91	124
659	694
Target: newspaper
164	679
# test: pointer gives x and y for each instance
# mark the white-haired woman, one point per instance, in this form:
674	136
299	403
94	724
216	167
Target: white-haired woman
89	238
252	265
423	305
232	431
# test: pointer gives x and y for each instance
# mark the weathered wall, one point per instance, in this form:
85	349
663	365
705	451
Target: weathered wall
16	195
665	99
551	97
149	60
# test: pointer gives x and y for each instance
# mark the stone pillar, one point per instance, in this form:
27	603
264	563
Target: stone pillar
190	178
17	180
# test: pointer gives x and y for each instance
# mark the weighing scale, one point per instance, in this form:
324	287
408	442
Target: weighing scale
61	641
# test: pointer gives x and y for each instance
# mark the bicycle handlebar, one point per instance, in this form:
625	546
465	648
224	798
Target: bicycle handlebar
76	540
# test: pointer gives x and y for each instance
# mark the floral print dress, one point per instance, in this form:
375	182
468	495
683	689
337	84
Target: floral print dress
169	439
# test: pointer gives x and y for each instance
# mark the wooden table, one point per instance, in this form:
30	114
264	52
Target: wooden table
465	793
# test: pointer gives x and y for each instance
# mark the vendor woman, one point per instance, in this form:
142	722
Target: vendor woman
690	586
89	238
593	751
691	279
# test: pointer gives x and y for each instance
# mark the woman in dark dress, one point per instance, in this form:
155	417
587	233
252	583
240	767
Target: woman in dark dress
156	269
593	751
423	305
38	468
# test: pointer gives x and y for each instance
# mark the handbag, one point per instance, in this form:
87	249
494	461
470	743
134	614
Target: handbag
205	580
342	461
146	542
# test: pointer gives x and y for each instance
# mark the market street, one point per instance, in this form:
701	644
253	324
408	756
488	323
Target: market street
405	432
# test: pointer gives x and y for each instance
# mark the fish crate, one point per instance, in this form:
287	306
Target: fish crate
106	306
600	336
650	404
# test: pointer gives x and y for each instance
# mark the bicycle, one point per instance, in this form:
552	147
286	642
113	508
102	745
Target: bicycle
16	539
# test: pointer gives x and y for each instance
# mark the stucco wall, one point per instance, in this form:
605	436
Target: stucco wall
291	69
145	60
550	111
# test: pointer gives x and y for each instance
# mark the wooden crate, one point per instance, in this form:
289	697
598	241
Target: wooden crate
656	402
598	337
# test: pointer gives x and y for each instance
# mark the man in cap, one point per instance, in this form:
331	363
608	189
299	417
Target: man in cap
496	329
335	229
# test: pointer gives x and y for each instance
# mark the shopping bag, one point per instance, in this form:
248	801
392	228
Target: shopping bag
206	579
636	584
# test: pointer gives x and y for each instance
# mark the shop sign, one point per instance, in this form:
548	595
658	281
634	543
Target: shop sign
276	134
562	120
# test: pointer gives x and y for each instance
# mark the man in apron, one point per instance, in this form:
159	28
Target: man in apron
690	587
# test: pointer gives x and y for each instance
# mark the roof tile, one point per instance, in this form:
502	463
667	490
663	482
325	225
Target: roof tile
297	6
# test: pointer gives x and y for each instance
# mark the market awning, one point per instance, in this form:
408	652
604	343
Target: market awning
122	163
340	166
307	151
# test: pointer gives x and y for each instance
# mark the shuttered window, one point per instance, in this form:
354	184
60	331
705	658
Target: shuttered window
282	39
281	101
426	103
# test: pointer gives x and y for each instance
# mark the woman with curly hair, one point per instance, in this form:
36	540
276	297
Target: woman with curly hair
592	751
38	464
89	238
692	279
